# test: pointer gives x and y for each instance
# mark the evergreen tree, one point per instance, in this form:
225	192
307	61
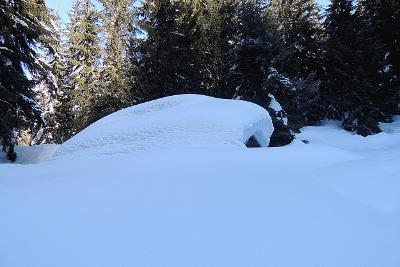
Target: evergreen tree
379	42
83	58
252	75
345	91
218	33
167	59
117	24
359	85
60	118
51	90
299	35
251	55
295	33
23	36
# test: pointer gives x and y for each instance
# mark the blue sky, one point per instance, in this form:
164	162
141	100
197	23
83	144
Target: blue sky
64	6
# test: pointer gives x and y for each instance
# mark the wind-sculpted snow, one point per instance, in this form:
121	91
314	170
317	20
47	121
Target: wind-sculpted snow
333	202
173	122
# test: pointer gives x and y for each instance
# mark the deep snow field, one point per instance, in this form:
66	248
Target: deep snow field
170	183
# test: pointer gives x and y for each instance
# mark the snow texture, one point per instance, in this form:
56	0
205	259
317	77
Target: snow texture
5	48
31	154
20	21
387	68
332	202
274	104
8	62
173	122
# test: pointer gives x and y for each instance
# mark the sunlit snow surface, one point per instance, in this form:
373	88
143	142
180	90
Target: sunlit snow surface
334	202
173	122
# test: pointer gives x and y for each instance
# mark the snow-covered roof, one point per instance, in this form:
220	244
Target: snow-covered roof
174	122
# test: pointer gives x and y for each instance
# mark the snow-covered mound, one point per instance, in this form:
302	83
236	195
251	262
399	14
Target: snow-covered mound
173	122
372	176
333	202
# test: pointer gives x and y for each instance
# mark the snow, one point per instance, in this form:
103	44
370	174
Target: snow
77	70
274	104
373	176
391	127
177	33
5	48
55	25
8	62
284	80
387	68
28	100
20	21
332	202
172	122
32	154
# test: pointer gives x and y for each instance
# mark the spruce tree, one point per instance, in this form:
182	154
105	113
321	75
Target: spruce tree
117	17
83	59
379	45
218	32
295	33
346	93
252	75
360	85
167	59
299	36
23	36
251	54
50	90
59	121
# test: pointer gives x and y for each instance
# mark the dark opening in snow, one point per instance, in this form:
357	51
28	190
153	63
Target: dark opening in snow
252	142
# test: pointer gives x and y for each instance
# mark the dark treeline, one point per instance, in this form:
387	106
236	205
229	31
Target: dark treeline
342	63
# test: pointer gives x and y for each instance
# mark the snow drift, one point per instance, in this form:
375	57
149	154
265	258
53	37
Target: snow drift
173	122
332	202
